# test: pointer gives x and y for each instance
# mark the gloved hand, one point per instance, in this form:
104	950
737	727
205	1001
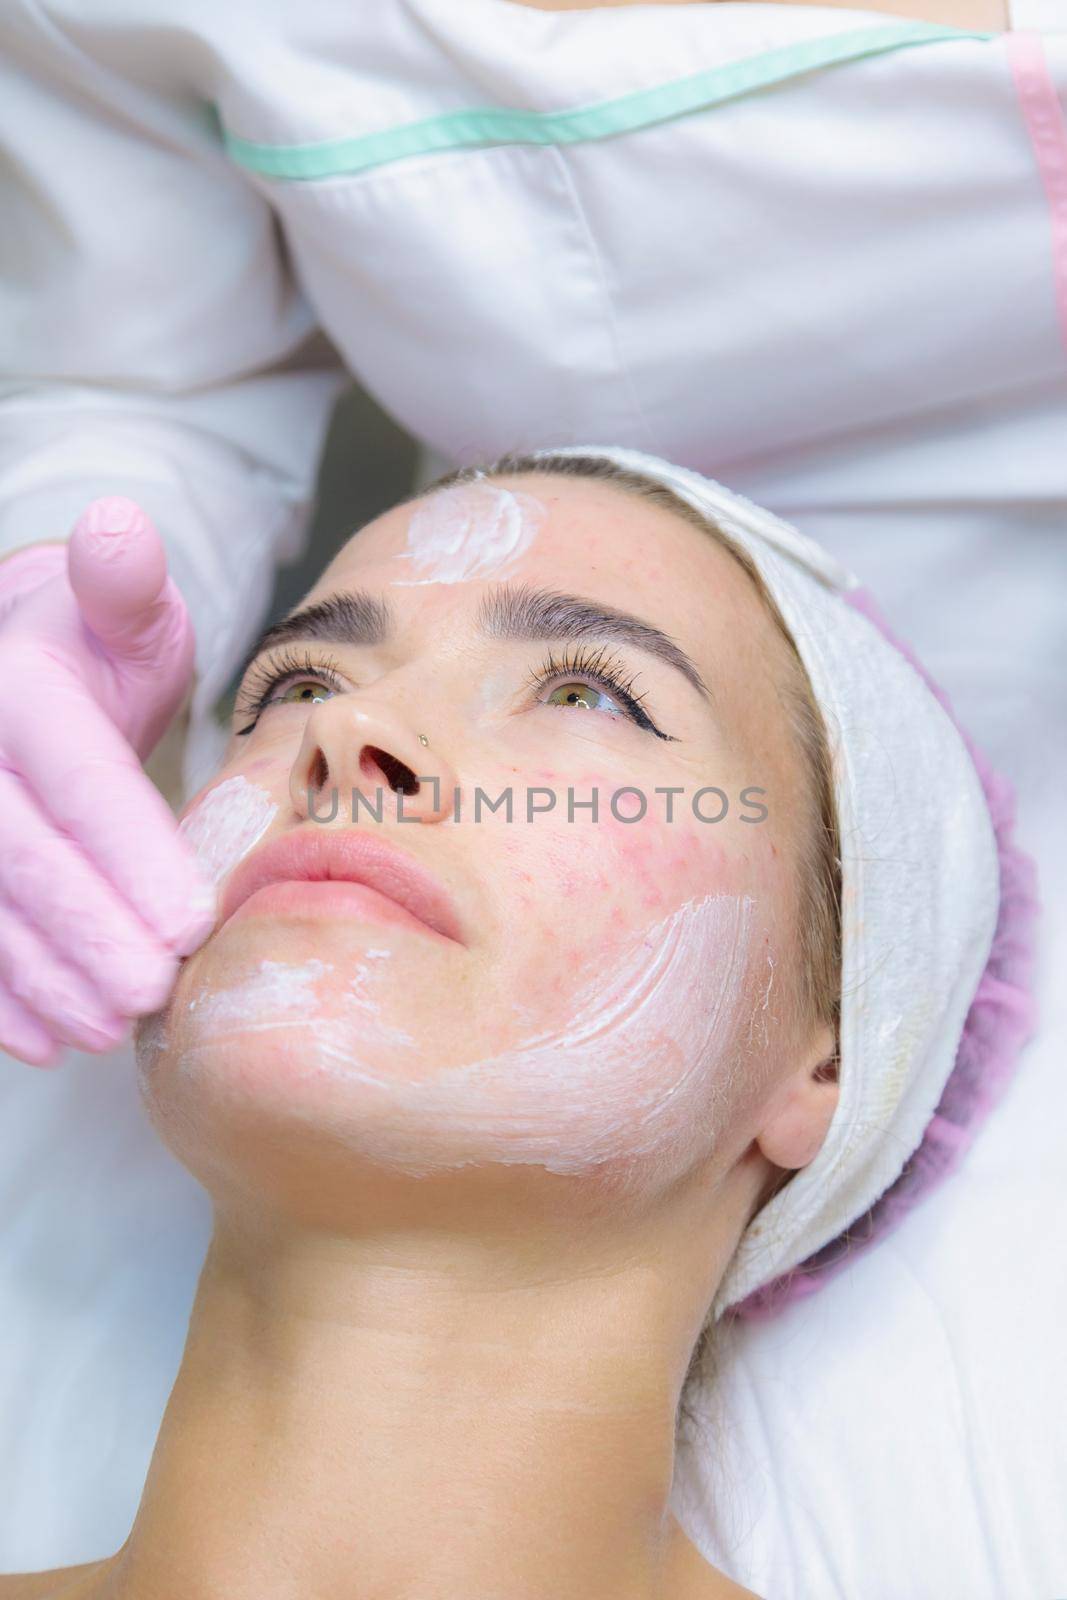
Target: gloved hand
99	893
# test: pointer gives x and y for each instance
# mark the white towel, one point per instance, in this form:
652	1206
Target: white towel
919	882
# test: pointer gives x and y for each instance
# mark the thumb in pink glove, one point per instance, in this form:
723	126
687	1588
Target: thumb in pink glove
99	893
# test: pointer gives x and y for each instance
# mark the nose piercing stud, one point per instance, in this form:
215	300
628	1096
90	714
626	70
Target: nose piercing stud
423	739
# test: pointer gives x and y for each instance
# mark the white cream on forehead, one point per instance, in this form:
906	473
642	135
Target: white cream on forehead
224	825
643	1071
470	531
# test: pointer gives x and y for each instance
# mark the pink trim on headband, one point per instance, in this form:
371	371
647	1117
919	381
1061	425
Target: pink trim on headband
1002	1017
1047	128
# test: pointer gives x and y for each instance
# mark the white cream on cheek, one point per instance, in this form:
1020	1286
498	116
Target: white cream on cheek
470	531
224	825
643	1071
221	829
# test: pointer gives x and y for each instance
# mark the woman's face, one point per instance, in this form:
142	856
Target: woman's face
598	998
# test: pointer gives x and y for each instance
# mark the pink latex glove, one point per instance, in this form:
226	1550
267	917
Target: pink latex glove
99	893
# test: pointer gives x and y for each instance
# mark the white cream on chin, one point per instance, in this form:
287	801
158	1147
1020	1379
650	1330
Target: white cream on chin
276	994
224	825
470	531
644	1070
276	991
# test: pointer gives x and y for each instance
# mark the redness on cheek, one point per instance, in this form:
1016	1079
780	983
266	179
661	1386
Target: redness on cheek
591	888
649	865
664	863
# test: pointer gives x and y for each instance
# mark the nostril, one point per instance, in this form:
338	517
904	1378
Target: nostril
397	774
319	772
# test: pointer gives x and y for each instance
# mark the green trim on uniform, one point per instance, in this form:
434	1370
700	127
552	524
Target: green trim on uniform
498	125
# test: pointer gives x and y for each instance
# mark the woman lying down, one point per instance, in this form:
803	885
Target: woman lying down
613	937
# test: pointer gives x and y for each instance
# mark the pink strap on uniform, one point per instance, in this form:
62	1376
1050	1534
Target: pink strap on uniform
1047	127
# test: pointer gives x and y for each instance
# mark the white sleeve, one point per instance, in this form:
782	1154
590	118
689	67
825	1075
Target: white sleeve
154	343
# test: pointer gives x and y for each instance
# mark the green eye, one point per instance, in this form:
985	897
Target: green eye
303	690
572	694
290	678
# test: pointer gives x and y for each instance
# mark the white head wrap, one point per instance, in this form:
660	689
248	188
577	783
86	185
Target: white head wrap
919	881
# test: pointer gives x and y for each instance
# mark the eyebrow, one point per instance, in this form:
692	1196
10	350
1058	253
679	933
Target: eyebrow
348	618
522	612
509	611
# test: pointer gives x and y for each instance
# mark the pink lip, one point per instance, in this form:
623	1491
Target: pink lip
351	858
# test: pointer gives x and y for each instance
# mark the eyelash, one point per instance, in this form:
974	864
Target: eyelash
276	672
596	664
287	667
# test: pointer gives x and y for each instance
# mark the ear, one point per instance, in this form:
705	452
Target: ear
797	1117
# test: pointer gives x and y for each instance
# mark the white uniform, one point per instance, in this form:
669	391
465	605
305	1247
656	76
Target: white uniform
806	250
820	254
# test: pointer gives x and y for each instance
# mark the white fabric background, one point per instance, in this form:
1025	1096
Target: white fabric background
902	1432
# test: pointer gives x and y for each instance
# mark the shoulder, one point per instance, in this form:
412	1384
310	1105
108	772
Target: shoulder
59	1583
20	1586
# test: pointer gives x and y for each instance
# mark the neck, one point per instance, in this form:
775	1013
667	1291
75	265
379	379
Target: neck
392	1419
